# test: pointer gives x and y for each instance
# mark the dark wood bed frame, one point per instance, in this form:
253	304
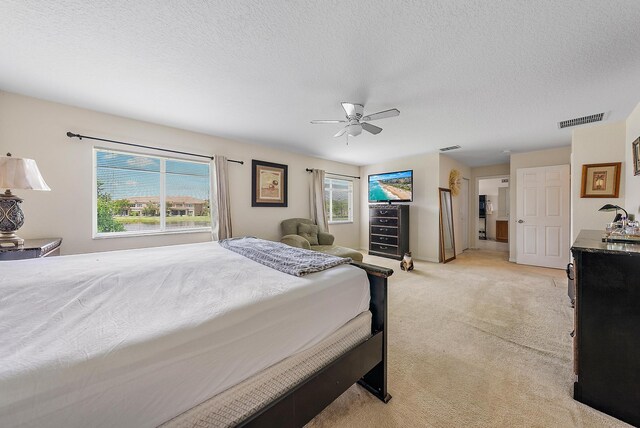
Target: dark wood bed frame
365	364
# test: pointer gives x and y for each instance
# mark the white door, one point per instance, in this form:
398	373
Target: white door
464	213
542	216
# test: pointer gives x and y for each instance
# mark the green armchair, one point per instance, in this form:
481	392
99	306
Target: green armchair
306	237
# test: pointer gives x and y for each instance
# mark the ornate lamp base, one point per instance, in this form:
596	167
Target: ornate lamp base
11	219
12	239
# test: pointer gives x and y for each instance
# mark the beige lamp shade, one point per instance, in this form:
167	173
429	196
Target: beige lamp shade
19	173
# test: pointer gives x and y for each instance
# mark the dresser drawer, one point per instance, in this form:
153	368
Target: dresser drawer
383	212
384	221
384	240
383	248
384	230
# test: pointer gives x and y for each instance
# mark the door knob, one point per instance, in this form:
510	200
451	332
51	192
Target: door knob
520	221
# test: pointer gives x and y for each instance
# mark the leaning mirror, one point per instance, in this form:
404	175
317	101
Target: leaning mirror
447	240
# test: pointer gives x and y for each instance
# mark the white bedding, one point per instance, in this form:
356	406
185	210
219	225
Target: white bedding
134	338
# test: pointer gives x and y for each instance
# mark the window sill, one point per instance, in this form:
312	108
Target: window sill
150	233
341	222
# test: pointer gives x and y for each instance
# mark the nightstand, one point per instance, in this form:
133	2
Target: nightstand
32	249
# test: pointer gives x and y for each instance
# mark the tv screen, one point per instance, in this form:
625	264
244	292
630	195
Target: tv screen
391	186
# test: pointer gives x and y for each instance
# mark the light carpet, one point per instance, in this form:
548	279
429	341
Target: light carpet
476	342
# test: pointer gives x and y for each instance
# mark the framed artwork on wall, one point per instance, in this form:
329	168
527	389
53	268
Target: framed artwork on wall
268	184
635	148
601	180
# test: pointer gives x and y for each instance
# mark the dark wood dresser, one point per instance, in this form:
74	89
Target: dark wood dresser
389	230
32	249
607	326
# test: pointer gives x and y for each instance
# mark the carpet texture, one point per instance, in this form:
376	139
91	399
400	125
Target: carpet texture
477	342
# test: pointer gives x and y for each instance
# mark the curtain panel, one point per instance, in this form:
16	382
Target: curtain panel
222	228
316	199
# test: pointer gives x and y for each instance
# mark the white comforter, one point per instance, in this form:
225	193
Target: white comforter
134	338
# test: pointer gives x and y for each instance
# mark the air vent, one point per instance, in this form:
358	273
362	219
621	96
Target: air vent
581	120
446	149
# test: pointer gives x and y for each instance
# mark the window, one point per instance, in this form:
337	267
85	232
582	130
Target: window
139	194
338	200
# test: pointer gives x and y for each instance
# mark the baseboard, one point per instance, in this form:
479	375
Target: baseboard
426	259
415	257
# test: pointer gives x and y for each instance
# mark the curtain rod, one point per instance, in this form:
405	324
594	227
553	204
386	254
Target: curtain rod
339	175
80	137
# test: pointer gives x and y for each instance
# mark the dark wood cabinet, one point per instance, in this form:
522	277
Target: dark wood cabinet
389	230
502	231
607	326
32	249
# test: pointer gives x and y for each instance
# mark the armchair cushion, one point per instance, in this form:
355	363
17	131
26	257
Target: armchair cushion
325	238
290	226
309	232
295	241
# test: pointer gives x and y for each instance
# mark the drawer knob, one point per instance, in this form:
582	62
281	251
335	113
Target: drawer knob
384	247
383	220
383	212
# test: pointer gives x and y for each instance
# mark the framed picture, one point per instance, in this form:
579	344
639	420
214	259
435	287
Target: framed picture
601	180
268	184
635	147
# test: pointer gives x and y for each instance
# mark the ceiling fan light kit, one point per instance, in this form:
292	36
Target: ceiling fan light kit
356	122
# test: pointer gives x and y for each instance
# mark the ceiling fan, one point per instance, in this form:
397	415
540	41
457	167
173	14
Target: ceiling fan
356	122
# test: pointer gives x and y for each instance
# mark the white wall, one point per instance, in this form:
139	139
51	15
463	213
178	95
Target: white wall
601	143
490	186
423	211
550	157
37	129
491	218
632	182
446	165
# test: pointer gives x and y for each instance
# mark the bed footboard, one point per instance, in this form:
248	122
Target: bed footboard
366	364
375	381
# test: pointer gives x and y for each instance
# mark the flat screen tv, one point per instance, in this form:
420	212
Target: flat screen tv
391	187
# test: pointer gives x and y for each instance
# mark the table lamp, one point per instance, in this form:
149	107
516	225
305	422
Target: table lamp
16	173
611	207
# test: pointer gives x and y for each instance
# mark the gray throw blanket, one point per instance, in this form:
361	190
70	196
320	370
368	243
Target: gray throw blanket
282	257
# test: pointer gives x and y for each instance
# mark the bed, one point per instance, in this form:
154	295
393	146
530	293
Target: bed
188	335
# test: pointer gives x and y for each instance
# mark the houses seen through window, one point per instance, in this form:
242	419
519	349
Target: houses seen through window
338	200
147	194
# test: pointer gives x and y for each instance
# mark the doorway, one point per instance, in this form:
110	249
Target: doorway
492	217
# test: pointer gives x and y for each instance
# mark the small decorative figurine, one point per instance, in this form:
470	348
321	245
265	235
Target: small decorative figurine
407	262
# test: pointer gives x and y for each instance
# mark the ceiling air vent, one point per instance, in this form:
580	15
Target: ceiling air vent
581	120
446	149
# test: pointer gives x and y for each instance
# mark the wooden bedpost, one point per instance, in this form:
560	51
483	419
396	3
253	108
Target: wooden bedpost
375	381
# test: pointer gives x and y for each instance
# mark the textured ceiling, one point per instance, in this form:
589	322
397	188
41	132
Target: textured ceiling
487	75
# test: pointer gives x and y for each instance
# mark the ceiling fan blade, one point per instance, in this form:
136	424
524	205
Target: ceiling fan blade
327	121
341	132
371	128
382	114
